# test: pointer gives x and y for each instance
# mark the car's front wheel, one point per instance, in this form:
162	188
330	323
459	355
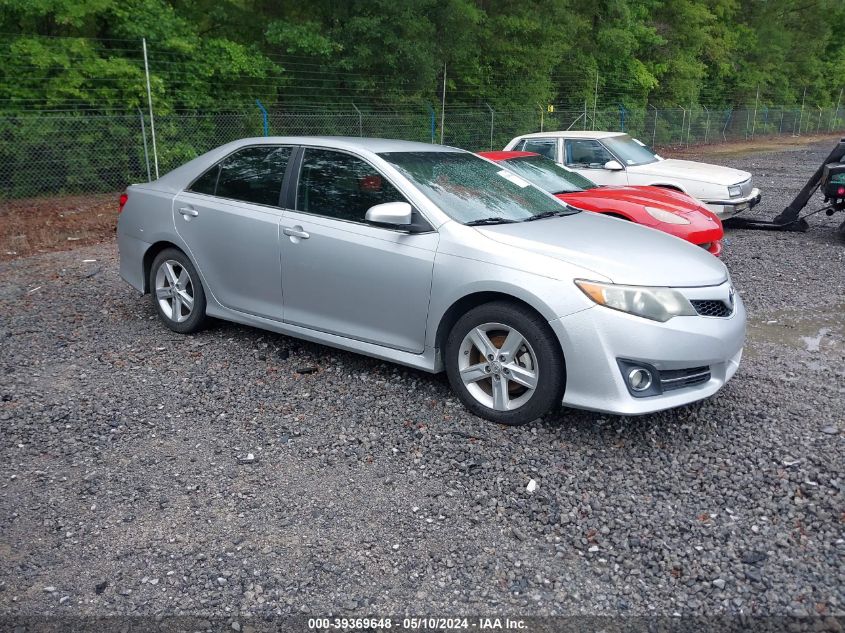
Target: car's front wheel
177	292
505	364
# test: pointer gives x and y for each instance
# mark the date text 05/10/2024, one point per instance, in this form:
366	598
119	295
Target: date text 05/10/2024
416	624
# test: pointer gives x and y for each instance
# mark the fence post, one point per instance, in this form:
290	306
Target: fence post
835	112
492	114
819	126
727	120
541	116
689	122
654	129
707	128
150	101
433	121
595	99
264	120
360	121
780	129
683	124
801	118
756	101
585	115
144	137
443	105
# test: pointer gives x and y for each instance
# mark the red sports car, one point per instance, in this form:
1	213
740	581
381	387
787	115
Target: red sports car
663	209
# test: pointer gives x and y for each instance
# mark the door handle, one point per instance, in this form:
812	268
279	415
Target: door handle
188	211
296	233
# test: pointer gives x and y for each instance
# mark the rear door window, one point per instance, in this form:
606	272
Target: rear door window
543	146
254	174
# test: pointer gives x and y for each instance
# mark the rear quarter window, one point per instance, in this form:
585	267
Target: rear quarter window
207	183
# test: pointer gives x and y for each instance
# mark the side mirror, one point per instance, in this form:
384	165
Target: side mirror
613	165
395	214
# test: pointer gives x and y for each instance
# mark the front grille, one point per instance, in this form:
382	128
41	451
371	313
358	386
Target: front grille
680	378
711	307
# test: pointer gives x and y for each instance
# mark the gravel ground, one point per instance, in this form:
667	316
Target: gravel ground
126	485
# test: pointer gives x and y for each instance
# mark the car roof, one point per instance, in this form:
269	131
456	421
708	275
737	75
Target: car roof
180	177
353	143
504	155
572	134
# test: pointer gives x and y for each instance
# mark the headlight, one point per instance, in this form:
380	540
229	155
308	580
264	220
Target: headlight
658	304
662	215
735	191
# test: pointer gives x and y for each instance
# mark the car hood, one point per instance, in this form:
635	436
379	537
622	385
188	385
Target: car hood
691	170
624	252
644	196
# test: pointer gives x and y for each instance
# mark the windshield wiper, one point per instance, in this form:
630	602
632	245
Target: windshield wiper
491	220
547	214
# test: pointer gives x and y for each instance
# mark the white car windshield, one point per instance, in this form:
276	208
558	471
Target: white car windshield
472	190
629	150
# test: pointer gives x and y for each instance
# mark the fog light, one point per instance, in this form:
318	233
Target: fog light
639	379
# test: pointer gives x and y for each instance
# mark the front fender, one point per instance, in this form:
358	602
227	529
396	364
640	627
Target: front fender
455	278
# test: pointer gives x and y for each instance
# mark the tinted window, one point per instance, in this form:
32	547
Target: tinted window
548	175
468	188
544	147
341	186
586	153
254	174
206	183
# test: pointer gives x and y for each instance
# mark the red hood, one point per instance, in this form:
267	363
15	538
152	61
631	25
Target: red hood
644	196
703	227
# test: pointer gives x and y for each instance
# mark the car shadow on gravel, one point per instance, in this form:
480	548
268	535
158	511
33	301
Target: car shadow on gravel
327	372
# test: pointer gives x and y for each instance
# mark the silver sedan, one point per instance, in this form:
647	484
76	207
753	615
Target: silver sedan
437	259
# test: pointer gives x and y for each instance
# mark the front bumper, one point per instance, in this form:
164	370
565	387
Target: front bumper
594	339
728	208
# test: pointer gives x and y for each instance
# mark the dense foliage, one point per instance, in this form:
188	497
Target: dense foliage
214	54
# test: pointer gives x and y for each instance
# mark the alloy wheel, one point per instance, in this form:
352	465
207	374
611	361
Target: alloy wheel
174	290
498	366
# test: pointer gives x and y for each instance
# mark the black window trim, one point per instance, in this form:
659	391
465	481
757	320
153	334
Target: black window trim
220	162
294	188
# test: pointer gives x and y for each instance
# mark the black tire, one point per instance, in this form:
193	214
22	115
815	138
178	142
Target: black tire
196	318
550	366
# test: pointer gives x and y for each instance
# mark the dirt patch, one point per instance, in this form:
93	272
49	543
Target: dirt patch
38	225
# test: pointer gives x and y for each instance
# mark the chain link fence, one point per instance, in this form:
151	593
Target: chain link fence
61	153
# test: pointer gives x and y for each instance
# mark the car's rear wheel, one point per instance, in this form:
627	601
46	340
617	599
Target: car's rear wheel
177	292
505	364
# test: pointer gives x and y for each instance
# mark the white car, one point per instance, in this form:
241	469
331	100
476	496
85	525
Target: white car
614	158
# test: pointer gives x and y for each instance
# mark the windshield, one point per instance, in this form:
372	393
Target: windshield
548	175
470	189
629	150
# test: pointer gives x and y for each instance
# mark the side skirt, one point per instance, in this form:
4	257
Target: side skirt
428	361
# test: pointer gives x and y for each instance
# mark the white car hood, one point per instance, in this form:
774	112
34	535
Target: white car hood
691	170
624	252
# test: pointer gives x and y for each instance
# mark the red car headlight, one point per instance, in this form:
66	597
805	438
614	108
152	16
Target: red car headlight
662	215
